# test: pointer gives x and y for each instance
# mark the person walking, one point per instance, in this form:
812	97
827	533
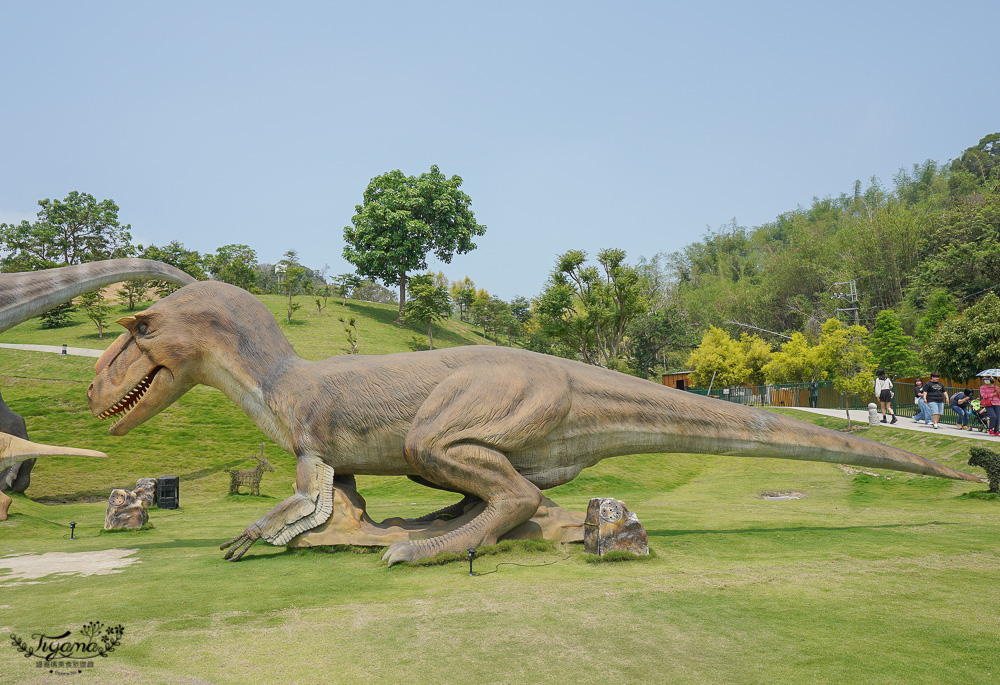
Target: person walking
936	397
918	399
961	404
883	391
989	399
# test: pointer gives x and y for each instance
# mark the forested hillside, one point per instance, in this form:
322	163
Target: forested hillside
935	230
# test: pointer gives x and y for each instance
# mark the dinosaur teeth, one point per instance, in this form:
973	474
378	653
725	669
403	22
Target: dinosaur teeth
126	403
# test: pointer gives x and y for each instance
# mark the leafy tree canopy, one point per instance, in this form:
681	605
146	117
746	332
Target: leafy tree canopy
405	218
75	230
963	346
234	264
892	349
428	303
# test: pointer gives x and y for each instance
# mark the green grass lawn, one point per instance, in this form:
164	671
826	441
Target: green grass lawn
867	579
313	335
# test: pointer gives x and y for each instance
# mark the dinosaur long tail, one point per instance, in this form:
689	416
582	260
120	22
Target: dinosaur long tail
27	294
733	429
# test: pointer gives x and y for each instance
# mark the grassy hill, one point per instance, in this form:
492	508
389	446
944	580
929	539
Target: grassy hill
314	336
882	578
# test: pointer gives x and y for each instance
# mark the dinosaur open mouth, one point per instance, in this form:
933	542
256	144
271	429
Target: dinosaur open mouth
130	399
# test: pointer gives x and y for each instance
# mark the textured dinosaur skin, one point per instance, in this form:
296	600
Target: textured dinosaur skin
495	423
30	293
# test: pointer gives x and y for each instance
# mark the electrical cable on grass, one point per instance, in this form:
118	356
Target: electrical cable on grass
514	563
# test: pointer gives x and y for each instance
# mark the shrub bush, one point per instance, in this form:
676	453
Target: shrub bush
989	460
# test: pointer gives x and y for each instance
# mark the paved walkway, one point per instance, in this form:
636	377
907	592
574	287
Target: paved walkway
861	416
78	351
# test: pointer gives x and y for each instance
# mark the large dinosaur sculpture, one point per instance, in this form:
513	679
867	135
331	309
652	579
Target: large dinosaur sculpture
27	294
492	423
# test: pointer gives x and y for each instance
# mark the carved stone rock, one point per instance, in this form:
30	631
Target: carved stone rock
146	489
350	524
125	510
611	527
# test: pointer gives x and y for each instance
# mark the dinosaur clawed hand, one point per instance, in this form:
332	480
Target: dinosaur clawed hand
242	543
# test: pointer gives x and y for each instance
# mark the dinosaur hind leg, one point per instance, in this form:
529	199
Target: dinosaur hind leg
486	473
460	439
4	505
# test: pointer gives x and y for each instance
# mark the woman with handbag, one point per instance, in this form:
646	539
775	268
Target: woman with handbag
883	391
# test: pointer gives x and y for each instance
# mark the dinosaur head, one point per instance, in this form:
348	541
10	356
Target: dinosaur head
207	332
159	358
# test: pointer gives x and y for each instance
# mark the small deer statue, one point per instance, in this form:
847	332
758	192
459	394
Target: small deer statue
250	477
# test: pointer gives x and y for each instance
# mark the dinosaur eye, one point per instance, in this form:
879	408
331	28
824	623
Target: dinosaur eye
143	327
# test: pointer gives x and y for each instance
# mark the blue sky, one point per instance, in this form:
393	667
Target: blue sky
573	124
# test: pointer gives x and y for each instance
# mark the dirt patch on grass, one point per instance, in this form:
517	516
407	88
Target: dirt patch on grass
851	471
781	494
27	567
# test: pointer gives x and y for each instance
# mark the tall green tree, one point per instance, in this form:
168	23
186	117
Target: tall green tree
75	230
428	303
175	254
234	264
292	282
97	310
463	294
940	308
981	161
892	349
346	284
589	307
649	333
405	218
967	344
849	360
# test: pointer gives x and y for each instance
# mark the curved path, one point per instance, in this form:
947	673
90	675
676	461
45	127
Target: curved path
57	349
906	423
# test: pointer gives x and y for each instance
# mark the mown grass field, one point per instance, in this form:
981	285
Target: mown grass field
867	579
314	336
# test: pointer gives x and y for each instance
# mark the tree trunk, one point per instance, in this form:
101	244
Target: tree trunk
402	296
430	334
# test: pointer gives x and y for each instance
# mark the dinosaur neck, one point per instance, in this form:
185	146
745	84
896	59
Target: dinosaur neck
259	372
27	294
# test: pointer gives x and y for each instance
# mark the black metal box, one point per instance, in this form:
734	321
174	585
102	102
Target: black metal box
168	494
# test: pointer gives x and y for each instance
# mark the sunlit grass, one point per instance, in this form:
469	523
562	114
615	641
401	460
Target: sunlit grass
887	578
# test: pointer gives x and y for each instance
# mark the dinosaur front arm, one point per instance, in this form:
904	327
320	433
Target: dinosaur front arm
310	506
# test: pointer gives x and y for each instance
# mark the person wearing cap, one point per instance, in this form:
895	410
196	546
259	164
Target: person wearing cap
936	397
989	399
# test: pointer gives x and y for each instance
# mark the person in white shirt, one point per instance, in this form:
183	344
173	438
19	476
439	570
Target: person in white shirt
883	391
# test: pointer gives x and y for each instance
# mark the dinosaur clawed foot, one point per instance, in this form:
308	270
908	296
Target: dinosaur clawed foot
402	551
413	550
242	543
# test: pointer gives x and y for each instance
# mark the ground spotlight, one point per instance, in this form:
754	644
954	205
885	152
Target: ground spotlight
472	555
72	529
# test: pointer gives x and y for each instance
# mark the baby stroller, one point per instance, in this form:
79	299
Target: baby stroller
978	418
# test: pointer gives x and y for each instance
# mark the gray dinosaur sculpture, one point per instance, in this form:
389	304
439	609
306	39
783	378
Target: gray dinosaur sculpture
492	423
27	294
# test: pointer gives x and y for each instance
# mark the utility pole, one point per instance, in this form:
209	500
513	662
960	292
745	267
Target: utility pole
849	293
